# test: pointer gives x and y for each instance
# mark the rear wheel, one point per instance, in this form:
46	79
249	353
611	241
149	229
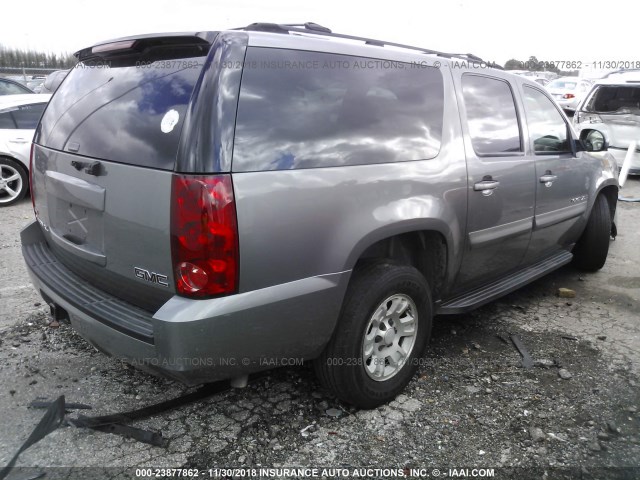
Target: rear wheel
590	253
382	331
14	182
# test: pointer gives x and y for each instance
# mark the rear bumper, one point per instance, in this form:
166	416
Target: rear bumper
195	341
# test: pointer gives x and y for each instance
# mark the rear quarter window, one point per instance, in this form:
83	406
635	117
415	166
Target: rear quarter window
301	109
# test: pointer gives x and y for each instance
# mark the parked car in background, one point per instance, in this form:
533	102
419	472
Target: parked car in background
35	83
19	116
613	107
12	87
568	91
542	81
53	81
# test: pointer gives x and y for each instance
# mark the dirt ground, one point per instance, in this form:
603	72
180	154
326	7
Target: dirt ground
472	404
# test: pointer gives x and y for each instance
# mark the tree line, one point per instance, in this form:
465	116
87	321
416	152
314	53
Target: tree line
14	57
534	65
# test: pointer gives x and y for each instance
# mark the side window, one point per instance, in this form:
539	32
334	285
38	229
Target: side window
301	109
547	128
6	121
491	115
27	116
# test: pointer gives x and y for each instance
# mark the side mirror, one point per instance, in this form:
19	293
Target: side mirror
593	140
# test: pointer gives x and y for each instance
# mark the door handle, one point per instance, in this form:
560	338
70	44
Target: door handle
548	179
18	140
486	187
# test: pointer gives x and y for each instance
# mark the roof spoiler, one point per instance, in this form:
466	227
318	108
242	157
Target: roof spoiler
141	43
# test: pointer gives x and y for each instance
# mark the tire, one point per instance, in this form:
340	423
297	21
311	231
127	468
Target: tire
14	182
361	364
590	253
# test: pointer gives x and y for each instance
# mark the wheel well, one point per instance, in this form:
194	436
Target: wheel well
611	194
18	162
424	250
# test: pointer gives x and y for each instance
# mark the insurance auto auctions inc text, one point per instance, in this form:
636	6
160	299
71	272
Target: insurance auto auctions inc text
382	473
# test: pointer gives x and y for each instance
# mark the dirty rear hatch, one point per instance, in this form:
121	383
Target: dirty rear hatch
103	159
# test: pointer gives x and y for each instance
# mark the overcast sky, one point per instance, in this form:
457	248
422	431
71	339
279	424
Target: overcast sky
495	30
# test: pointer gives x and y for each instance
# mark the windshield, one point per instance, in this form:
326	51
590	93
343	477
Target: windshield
615	99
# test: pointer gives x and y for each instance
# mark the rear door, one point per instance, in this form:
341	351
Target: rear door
563	176
500	189
103	160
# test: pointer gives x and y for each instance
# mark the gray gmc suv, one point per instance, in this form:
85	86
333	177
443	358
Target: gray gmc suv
213	204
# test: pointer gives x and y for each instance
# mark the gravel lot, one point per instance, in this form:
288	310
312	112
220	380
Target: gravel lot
471	405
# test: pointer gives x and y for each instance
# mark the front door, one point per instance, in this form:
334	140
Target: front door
563	176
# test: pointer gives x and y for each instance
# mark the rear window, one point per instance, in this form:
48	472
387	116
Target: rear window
615	99
129	112
301	109
562	84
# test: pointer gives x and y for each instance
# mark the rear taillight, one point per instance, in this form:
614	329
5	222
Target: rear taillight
32	185
204	235
567	96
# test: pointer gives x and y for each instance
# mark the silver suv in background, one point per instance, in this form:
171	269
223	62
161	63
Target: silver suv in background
613	107
212	204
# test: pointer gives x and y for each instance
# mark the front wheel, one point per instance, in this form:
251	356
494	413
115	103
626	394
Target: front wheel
381	334
590	253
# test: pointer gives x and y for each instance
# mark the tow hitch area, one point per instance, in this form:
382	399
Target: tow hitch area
57	314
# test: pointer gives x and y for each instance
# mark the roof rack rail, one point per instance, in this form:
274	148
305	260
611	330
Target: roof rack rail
316	29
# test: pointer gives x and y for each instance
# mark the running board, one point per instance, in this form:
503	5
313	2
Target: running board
480	296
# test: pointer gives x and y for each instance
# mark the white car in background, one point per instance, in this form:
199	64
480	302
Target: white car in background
568	91
19	116
613	107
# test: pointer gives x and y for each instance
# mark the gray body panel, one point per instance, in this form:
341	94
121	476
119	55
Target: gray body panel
300	223
300	231
103	226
